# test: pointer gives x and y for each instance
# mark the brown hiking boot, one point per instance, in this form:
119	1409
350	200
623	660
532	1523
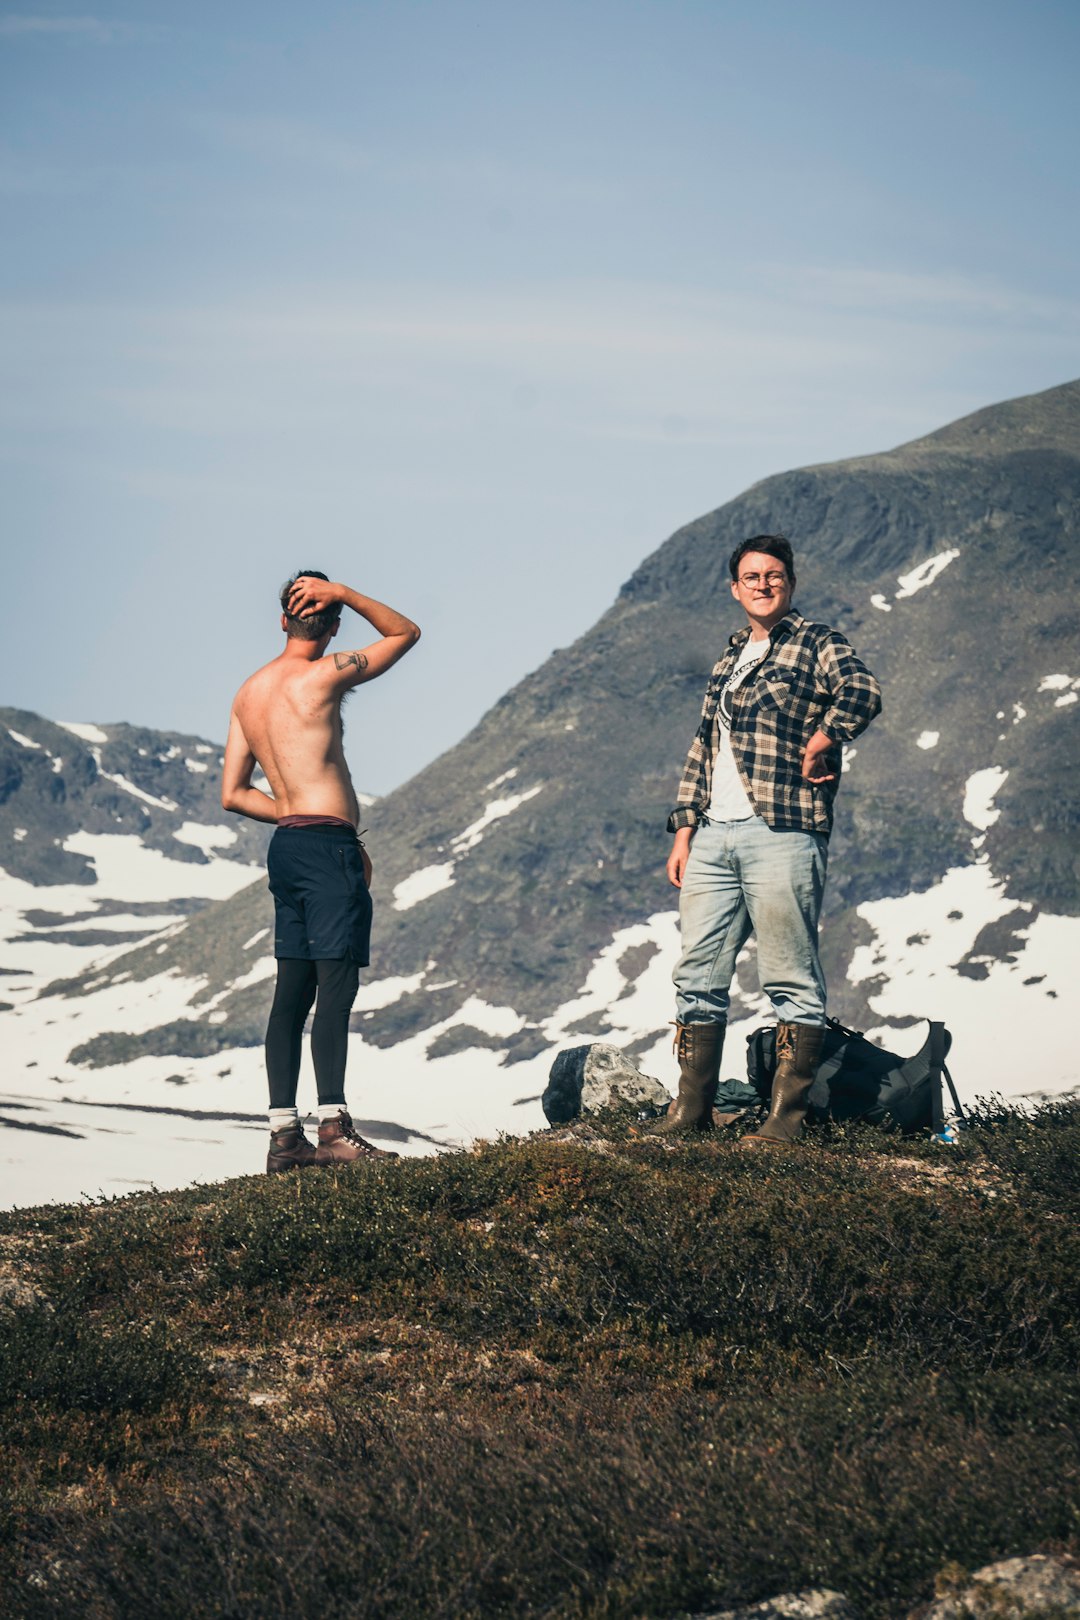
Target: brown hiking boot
289	1149
698	1048
798	1053
339	1143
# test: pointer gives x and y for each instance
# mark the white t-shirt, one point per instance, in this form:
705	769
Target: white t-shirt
730	800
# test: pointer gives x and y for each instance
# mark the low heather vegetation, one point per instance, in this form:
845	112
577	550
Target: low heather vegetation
562	1378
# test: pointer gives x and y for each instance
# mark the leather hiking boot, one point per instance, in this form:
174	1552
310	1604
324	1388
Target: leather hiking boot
698	1048
289	1149
341	1143
798	1053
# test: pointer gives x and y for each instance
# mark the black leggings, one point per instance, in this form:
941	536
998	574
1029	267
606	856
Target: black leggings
297	984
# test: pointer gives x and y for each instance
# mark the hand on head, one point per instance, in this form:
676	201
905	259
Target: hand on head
311	594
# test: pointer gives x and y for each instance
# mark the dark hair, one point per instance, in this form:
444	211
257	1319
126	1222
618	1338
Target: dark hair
313	626
773	545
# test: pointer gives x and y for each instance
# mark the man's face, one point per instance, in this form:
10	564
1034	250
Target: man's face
763	588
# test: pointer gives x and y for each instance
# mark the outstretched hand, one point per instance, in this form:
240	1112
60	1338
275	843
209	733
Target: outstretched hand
310	596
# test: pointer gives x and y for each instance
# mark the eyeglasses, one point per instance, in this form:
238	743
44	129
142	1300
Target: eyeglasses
752	581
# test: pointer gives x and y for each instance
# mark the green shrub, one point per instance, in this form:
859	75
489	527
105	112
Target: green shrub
67	1363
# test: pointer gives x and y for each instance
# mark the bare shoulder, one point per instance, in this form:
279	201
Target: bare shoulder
348	662
247	690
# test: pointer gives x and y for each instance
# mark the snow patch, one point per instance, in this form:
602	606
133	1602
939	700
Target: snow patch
124	870
255	938
196	765
979	792
91	734
1061	702
264	968
919	942
120	922
430	880
928	739
651	999
925	574
19	834
205	838
1054	683
882	602
384	992
495	811
127	870
499	1021
422	885
130	787
507	776
26	742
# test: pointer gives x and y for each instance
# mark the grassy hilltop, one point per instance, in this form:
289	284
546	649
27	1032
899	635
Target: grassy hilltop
570	1378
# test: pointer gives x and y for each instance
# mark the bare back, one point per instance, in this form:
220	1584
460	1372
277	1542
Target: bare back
286	717
290	716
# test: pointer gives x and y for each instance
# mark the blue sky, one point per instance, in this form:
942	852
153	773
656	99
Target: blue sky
473	304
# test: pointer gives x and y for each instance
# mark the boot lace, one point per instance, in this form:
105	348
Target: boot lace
351	1134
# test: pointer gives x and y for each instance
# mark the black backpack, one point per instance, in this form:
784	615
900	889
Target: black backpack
858	1080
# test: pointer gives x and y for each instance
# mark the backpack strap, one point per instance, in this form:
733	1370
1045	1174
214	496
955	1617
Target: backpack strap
952	1092
935	1057
842	1029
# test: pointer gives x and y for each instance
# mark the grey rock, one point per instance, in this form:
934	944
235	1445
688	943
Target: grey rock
1032	1588
809	1605
18	1294
598	1078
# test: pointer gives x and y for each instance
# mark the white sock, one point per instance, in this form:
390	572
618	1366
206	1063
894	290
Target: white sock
282	1118
331	1111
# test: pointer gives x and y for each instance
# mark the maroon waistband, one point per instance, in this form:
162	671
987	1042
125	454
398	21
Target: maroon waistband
289	822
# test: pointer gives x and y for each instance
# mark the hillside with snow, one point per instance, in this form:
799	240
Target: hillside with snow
519	890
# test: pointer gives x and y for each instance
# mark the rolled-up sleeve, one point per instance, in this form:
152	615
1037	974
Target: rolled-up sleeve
693	789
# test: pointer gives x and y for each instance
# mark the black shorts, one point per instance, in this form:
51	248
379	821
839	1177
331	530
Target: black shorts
322	908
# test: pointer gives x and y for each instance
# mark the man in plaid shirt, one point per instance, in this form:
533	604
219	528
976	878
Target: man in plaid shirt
751	829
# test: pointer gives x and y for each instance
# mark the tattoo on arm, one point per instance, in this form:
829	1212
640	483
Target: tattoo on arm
350	661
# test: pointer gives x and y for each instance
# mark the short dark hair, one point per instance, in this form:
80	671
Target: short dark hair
313	626
773	545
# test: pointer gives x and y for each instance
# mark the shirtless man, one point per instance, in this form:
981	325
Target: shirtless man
286	718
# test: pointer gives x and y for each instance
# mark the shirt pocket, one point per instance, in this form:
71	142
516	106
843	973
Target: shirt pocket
782	690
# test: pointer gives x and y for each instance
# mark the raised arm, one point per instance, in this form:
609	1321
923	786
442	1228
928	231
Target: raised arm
397	633
237	793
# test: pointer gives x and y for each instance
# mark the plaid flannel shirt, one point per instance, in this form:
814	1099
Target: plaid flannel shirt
809	680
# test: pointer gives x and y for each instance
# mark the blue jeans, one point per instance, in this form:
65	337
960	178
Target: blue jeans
743	878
